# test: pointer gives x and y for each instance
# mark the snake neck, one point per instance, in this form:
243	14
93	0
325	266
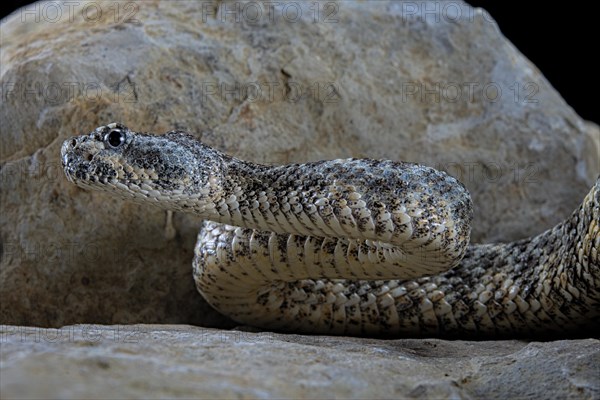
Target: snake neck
387	202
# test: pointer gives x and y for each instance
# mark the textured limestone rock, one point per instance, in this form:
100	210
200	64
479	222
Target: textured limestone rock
292	83
145	361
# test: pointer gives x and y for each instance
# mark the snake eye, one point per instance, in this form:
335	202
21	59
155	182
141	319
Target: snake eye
115	138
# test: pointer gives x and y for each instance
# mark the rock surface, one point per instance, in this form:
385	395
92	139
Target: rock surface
364	79
145	361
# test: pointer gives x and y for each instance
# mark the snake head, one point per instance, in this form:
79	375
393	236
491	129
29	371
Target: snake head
88	159
167	170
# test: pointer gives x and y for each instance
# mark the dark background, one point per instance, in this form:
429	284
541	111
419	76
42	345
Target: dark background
559	38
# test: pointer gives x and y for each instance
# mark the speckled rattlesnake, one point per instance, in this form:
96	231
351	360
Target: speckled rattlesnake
350	246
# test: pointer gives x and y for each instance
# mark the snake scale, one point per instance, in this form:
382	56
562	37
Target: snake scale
354	246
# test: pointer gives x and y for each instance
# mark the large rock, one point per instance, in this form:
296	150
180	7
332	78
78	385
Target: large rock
145	361
364	79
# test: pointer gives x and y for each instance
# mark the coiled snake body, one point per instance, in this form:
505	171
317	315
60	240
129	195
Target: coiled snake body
358	247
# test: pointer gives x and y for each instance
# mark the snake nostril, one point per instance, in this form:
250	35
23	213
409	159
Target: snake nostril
74	142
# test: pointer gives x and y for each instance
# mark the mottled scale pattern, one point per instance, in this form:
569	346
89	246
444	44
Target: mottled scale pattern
354	246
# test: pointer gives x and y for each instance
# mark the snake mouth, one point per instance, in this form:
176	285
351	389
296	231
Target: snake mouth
77	154
74	166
